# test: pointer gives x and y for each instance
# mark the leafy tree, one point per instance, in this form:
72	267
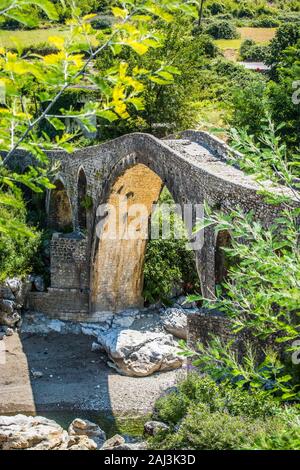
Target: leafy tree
31	85
256	296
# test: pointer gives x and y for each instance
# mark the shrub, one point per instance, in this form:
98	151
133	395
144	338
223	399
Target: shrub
266	22
280	440
249	50
244	12
202	430
168	262
18	243
216	7
222	30
172	407
205	415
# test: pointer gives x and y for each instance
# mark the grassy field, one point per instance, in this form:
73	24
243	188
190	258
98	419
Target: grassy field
230	47
28	38
38	36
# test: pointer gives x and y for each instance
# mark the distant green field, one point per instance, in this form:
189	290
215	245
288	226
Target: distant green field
28	38
259	35
232	46
38	36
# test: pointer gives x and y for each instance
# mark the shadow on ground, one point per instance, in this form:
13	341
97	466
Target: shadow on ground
60	377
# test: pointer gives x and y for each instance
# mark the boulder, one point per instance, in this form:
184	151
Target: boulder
9	315
14	284
153	427
113	442
79	443
132	446
38	283
27	432
175	322
83	427
136	353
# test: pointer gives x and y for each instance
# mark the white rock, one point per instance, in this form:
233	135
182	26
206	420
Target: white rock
136	353
27	432
14	284
9	315
37	374
123	321
83	427
175	322
56	325
9	331
96	347
153	427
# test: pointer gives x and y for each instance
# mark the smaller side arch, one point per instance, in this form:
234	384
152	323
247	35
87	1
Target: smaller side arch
59	208
81	199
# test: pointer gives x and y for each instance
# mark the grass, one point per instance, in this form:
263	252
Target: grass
28	38
230	47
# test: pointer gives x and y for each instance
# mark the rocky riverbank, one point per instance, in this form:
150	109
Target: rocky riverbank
22	432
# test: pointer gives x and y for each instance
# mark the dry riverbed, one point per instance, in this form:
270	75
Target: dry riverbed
60	376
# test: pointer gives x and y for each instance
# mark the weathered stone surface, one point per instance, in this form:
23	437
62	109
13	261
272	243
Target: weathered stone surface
83	427
138	353
153	427
39	433
175	322
113	442
132	446
9	315
79	443
194	167
38	283
27	432
9	331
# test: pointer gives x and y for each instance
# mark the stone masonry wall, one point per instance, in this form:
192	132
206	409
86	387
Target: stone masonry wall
193	168
69	262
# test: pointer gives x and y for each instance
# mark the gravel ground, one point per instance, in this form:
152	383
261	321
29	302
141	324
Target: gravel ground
60	372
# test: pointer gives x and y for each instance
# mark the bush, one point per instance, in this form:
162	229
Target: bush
216	7
204	415
18	245
266	22
244	12
280	440
251	51
222	30
202	430
168	262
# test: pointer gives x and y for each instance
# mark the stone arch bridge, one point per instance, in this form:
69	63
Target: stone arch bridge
91	275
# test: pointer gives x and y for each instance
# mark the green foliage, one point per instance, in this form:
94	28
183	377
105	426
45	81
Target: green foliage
32	84
251	51
18	241
204	415
286	35
256	296
222	30
168	107
168	262
281	440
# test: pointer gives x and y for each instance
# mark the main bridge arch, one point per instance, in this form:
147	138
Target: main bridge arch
91	275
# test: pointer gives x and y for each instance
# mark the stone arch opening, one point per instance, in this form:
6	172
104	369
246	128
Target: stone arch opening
82	200
117	270
118	253
60	211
